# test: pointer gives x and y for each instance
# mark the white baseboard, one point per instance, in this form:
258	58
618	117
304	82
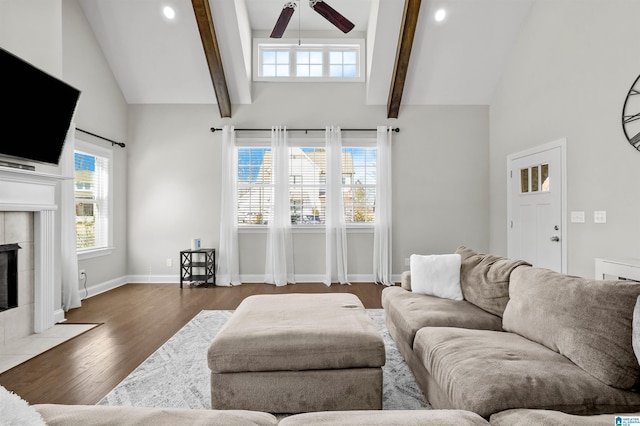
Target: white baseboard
96	289
58	316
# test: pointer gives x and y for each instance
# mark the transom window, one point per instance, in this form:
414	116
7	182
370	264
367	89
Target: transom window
307	184
318	60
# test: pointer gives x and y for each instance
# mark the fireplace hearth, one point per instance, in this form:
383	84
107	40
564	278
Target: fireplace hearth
8	276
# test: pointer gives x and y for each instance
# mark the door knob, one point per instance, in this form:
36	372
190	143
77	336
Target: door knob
555	238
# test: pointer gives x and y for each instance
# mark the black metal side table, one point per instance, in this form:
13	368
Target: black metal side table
198	265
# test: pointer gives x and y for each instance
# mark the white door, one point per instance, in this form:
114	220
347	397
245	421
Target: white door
536	200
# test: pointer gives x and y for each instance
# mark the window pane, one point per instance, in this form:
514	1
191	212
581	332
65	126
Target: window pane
316	70
254	185
350	71
302	57
545	177
335	70
316	57
524	180
302	70
282	70
268	57
335	57
350	58
535	182
359	176
269	70
282	57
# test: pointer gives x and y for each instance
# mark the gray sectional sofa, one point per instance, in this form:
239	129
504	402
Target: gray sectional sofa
523	338
85	415
526	347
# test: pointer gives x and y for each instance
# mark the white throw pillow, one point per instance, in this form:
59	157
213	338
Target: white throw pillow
635	335
16	411
436	275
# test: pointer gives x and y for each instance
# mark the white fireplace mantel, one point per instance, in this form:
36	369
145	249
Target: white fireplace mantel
29	191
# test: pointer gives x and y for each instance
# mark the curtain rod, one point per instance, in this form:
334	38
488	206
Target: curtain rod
393	129
120	144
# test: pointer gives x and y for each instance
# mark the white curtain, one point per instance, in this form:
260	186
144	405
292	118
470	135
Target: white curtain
382	231
68	253
279	260
336	234
228	272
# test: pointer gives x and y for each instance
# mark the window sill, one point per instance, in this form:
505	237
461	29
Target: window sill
316	229
88	254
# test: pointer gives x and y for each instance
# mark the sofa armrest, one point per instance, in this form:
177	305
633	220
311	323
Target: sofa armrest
405	280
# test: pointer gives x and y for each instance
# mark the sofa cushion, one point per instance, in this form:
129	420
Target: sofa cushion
526	417
436	275
96	415
285	332
488	371
484	279
409	312
587	321
390	418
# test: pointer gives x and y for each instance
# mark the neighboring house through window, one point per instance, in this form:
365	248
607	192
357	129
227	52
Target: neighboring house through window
307	183
93	170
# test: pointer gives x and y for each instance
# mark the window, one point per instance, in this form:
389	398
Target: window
534	179
92	196
320	60
307	184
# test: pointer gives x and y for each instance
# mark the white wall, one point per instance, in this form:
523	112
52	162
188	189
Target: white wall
440	181
101	110
570	72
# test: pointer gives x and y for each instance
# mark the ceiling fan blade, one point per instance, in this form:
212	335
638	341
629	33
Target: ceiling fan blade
331	15
283	20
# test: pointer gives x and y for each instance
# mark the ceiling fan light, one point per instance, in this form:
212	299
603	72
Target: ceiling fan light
440	15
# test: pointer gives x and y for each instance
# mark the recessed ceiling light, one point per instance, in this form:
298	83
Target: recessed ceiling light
168	12
440	15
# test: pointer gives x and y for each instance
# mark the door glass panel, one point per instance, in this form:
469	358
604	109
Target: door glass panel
535	181
524	181
544	172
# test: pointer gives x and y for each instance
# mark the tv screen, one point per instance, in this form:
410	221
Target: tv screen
37	111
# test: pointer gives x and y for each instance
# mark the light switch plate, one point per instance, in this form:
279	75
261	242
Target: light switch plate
577	217
600	216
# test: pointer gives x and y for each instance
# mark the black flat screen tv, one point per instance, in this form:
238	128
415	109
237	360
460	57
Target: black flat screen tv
37	111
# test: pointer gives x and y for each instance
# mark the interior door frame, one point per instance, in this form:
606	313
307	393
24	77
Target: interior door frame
559	143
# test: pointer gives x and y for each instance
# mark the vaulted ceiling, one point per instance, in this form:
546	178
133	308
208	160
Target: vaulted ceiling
458	61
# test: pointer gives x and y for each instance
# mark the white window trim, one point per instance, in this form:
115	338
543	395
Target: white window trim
311	43
92	149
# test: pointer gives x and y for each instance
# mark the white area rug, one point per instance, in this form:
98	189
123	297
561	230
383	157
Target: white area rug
177	375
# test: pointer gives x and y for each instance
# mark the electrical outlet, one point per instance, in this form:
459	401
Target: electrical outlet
406	261
169	262
82	273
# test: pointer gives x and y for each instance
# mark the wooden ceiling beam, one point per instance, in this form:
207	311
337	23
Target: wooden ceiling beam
403	54
202	10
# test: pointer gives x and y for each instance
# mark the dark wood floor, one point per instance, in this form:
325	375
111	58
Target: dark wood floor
136	319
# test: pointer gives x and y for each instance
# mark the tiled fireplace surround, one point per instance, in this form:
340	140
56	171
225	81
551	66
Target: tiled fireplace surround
27	217
17	227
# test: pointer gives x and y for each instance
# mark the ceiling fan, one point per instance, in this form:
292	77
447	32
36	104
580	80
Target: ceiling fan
327	12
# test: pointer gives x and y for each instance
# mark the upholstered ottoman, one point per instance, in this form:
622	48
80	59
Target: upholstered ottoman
297	353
